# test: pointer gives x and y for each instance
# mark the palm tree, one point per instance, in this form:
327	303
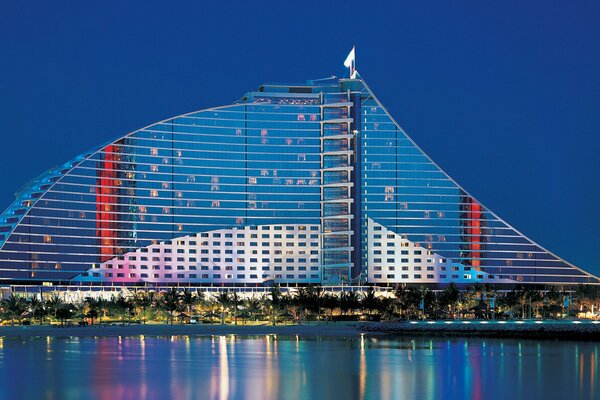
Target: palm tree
422	295
386	307
93	308
235	301
330	302
315	297
402	296
103	308
352	301
253	306
54	303
369	301
587	296
14	307
144	300
300	302
64	312
275	301
509	301
552	302
124	306
450	297
38	308
224	301
522	297
189	300
170	302
536	301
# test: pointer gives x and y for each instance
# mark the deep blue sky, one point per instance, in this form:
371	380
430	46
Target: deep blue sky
504	95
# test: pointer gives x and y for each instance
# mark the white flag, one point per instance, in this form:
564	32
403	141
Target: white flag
351	63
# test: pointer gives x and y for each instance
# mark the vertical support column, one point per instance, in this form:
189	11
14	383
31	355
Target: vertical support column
357	256
337	166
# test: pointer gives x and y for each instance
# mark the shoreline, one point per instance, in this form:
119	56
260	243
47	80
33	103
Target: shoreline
339	329
536	330
569	330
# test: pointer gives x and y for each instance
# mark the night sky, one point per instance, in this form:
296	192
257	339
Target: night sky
505	96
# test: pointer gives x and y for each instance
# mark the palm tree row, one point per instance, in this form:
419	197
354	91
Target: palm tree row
311	303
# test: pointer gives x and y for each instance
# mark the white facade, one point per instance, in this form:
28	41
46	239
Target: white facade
248	255
394	259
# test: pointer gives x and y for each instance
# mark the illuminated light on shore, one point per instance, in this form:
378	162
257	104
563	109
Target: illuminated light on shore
466	322
501	322
431	322
448	322
576	322
595	322
413	322
483	322
538	322
520	322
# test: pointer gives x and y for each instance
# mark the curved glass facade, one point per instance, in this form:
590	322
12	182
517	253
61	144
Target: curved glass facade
302	184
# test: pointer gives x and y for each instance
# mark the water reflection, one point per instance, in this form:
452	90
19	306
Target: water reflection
275	366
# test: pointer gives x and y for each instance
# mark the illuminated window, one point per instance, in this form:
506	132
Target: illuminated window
216	204
154	168
214	181
154	151
47	239
153	193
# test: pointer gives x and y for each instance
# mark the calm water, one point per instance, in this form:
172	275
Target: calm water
265	367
